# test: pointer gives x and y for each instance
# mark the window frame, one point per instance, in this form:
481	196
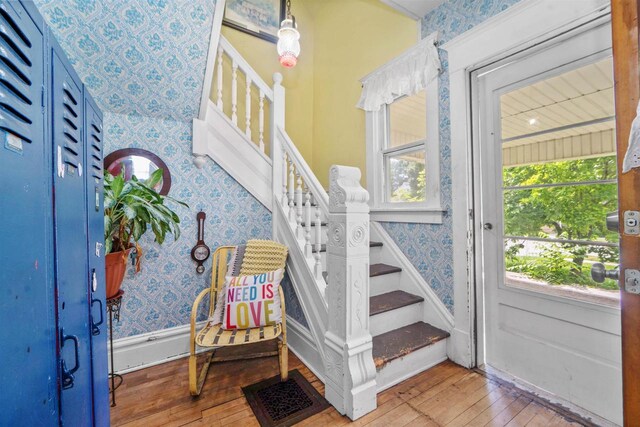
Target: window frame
378	128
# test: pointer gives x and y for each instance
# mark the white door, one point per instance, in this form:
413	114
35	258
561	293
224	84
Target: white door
545	171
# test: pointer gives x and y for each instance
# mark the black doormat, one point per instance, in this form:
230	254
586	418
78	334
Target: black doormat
277	403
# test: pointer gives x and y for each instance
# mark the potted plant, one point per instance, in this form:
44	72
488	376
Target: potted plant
130	207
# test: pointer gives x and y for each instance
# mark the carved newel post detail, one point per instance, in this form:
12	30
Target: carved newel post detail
350	371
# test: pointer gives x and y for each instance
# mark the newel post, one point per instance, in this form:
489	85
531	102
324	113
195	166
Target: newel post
350	371
277	121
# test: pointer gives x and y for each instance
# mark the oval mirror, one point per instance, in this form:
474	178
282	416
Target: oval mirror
141	163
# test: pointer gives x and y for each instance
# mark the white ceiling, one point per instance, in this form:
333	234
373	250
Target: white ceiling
415	9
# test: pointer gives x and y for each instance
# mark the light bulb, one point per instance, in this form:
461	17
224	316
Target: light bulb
288	43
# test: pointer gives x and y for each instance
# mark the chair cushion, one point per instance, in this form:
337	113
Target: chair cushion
215	336
252	300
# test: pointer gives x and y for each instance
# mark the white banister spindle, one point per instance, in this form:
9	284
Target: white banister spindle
317	269
247	122
307	225
299	228
284	199
261	122
348	344
234	92
292	187
219	76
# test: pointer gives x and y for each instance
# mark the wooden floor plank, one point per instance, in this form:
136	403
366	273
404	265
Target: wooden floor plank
477	408
492	411
446	394
525	416
399	416
510	412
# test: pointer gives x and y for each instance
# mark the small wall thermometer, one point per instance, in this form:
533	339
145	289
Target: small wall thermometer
200	252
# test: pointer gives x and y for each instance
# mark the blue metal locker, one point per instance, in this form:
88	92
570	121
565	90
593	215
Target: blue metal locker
28	394
95	232
70	218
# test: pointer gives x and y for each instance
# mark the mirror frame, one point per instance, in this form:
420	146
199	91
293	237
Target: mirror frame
114	156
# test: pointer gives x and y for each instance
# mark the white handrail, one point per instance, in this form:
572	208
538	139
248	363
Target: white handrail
246	68
320	194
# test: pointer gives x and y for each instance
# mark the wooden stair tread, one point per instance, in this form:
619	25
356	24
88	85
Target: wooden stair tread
313	224
323	248
382	269
374	270
391	301
402	341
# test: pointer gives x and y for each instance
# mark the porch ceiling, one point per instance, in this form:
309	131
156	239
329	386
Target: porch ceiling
566	116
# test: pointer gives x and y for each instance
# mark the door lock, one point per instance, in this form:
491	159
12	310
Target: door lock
631	222
487	226
632	281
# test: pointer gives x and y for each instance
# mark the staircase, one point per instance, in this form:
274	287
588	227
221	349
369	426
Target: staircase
373	321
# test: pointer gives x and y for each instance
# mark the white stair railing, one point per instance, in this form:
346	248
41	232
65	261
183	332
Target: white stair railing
339	309
258	96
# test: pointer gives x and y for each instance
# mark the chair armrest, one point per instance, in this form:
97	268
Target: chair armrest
194	314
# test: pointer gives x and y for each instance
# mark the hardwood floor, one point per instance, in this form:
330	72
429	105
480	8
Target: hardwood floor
444	395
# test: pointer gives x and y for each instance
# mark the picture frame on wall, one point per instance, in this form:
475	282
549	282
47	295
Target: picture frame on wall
260	18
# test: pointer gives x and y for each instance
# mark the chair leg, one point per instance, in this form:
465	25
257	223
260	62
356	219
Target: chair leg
283	359
195	386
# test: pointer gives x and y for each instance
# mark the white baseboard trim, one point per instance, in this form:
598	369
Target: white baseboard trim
154	348
300	343
150	349
458	348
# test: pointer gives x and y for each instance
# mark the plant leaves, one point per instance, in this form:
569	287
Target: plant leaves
117	185
154	179
129	211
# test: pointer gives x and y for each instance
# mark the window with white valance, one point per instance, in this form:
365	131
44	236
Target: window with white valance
403	151
405	75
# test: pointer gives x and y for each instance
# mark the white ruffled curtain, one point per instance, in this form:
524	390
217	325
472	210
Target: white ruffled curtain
407	74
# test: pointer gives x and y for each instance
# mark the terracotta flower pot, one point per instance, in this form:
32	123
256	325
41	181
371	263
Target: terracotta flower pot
115	266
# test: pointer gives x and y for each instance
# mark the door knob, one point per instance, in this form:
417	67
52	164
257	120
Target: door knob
487	226
599	273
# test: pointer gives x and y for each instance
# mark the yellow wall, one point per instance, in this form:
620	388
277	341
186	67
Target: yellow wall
352	38
342	41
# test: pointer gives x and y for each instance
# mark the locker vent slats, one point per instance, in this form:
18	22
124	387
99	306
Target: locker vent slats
68	120
95	132
18	94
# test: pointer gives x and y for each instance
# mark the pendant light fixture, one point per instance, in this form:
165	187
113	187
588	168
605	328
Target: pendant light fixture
288	40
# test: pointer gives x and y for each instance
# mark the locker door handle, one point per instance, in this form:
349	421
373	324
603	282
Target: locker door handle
67	374
94	326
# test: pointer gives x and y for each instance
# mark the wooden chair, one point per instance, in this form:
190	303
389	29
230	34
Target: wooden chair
260	256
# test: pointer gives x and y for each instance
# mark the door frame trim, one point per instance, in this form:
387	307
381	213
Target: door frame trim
519	27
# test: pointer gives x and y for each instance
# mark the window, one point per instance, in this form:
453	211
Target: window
403	159
404	155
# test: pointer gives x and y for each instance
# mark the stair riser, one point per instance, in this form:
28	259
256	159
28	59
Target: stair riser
386	283
412	364
374	254
394	319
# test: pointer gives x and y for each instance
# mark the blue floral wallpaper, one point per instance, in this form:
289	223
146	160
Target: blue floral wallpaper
429	246
142	56
161	295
